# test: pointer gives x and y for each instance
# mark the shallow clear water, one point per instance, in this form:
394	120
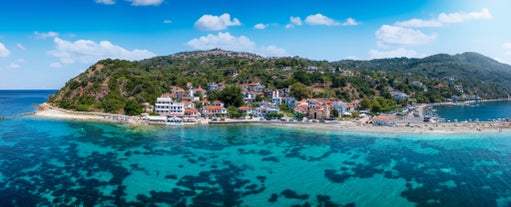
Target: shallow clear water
50	162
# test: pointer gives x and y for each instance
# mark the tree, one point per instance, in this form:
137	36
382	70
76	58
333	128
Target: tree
299	116
231	96
335	113
299	91
273	115
258	98
233	112
355	114
132	108
376	107
303	77
365	103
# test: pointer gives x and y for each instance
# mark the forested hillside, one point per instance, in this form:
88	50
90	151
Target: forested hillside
119	86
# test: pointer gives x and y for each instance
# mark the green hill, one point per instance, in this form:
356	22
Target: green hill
119	86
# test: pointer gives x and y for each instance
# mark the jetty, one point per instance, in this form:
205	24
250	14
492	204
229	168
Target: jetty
16	116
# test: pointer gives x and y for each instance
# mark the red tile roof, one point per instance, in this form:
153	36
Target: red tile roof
384	118
187	111
213	108
244	108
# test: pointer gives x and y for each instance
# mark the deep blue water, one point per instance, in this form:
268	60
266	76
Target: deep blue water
486	111
14	102
53	162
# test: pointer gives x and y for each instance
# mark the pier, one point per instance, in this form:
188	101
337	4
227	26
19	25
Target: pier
16	116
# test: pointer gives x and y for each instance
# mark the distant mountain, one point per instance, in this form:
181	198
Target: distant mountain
119	86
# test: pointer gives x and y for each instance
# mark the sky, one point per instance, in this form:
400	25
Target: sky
44	43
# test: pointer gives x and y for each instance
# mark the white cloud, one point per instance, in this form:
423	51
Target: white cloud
319	19
271	50
107	2
222	40
444	19
350	22
14	66
392	35
145	2
462	17
228	42
260	26
400	52
215	23
56	65
419	23
294	21
87	51
4	52
507	47
167	21
20	46
43	35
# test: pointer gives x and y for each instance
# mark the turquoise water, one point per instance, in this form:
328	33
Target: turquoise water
53	162
486	111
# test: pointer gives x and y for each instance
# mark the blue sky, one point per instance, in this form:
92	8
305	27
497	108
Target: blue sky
44	43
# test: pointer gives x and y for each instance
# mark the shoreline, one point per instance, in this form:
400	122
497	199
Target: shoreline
48	111
426	128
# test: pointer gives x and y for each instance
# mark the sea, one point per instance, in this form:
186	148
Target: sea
484	111
50	162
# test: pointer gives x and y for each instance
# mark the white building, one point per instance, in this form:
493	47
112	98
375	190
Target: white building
165	106
275	98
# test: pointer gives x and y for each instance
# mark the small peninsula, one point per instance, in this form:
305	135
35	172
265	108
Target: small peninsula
215	85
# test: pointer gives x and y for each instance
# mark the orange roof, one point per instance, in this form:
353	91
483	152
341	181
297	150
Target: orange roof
213	108
166	95
217	102
384	118
168	115
355	102
191	111
199	89
186	102
244	108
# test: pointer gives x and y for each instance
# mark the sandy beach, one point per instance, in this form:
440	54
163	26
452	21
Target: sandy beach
422	128
48	111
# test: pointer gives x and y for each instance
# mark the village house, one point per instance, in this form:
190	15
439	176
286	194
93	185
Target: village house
339	106
249	97
188	104
191	114
276	98
311	69
290	101
399	95
178	93
212	86
166	107
318	109
246	110
215	109
384	121
351	106
256	87
200	91
211	111
459	88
